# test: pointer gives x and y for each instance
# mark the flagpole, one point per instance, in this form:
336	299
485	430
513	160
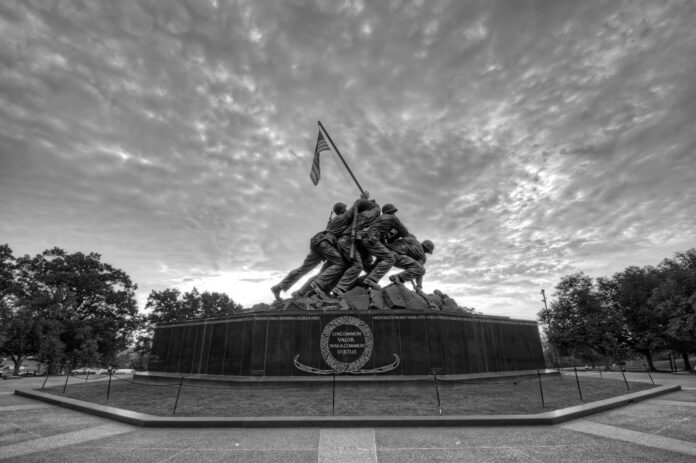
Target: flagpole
340	156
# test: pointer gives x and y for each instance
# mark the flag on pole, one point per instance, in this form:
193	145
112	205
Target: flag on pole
315	174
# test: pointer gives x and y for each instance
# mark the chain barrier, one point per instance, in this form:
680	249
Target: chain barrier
235	386
88	376
453	385
257	386
146	384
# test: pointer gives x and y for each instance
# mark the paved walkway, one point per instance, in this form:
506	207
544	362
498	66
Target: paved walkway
660	429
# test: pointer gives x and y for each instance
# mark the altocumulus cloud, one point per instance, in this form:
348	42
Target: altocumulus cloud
527	140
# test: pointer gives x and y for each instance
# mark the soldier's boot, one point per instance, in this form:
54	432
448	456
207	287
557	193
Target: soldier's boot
396	279
276	292
299	294
337	293
318	291
371	284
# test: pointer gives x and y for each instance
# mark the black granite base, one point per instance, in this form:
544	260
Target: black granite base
347	342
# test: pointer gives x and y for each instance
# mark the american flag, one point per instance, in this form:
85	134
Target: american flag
315	174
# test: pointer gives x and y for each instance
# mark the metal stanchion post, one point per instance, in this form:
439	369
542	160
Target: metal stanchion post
624	377
437	392
333	395
541	390
108	389
67	376
44	383
177	395
577	380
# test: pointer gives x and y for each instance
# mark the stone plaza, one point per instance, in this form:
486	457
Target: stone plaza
658	429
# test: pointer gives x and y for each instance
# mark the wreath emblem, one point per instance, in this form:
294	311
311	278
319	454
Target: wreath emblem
354	366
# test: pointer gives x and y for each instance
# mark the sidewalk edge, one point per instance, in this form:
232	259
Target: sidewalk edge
145	420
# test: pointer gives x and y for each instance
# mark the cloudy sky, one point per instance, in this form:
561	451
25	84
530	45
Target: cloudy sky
527	139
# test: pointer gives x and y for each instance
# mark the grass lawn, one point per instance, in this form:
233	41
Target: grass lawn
380	399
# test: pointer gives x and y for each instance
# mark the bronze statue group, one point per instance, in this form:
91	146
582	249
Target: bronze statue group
363	239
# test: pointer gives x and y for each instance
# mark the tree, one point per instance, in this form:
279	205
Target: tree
7	265
19	338
169	305
68	307
6	284
50	347
17	315
97	301
629	292
643	310
214	305
674	298
579	323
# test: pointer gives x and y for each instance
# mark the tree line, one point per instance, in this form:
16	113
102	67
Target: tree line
640	311
74	310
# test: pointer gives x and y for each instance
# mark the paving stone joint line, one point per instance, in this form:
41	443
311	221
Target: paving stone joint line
629	435
672	424
175	455
55	441
20	427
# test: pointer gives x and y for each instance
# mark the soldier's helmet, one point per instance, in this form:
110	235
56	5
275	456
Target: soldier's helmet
339	208
428	246
388	209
